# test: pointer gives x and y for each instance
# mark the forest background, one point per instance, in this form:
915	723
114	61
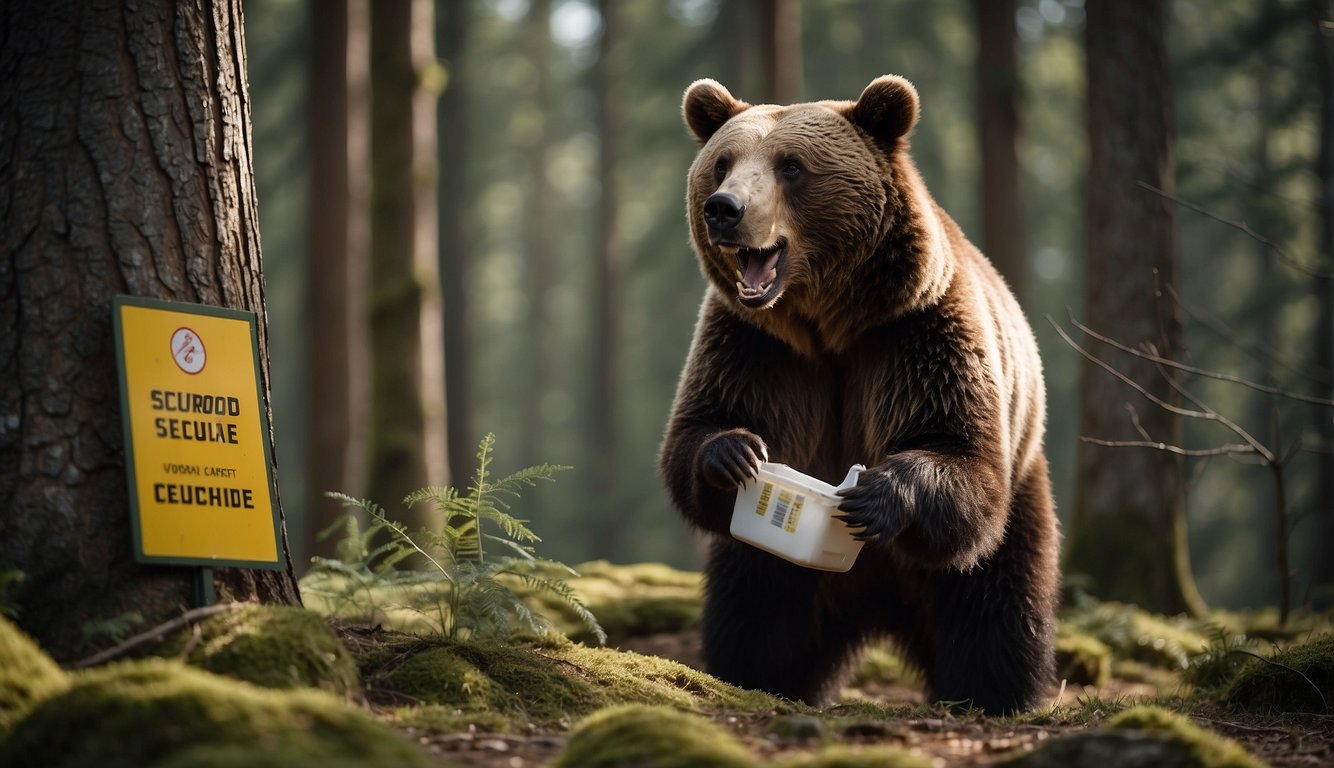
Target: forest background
527	253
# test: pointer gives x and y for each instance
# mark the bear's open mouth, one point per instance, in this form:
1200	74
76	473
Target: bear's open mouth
757	272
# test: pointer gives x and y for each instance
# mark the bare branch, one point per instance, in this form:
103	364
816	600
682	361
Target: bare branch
1204	414
1154	358
1261	353
1146	394
1222	450
1244	228
1134	421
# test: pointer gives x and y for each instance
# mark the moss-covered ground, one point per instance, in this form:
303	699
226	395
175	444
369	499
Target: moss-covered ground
266	686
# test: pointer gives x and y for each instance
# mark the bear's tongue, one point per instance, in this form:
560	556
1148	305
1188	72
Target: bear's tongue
758	270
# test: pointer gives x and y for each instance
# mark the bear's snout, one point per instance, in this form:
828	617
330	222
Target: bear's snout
722	212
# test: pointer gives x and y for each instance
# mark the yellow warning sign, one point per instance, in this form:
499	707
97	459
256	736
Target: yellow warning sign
196	435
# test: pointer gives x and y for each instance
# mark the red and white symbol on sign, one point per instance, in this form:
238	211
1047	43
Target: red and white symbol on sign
187	350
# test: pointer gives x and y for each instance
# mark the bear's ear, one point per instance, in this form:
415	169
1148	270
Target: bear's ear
706	106
887	108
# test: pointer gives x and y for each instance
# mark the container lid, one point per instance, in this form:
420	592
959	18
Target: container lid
782	473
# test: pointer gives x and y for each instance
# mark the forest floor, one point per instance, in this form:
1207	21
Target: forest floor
234	685
947	737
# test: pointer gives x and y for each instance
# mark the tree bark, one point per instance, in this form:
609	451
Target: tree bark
453	20
125	167
1128	534
399	432
780	45
335	269
998	131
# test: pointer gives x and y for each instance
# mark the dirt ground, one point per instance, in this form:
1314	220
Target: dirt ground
948	738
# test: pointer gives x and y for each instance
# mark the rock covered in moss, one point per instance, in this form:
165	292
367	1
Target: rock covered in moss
1133	633
276	646
151	713
851	757
27	675
547	683
1141	737
651	737
629	600
1082	659
1298	679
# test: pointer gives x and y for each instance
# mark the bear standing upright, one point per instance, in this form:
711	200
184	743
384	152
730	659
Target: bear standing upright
848	320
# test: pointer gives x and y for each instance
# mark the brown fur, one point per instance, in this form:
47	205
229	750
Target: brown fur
888	340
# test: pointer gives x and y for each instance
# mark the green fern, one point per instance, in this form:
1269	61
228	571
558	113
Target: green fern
471	567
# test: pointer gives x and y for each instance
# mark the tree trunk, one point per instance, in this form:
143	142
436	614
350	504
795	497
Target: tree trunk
780	45
1262	411
539	234
399	431
334	265
604	423
1322	19
1128	533
998	131
452	24
125	162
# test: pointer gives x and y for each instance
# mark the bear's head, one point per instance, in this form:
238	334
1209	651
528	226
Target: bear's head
789	205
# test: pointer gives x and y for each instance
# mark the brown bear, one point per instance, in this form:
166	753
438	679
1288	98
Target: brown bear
848	320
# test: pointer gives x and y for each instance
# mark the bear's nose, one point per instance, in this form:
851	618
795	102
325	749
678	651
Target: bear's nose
723	211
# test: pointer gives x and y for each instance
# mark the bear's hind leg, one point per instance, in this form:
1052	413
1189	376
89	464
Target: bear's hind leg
764	628
992	628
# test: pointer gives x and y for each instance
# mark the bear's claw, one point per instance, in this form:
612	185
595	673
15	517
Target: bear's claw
873	506
729	459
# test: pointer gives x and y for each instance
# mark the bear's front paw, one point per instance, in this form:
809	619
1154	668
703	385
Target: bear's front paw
728	459
875	506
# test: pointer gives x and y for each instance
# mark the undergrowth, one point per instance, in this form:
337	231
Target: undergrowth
458	584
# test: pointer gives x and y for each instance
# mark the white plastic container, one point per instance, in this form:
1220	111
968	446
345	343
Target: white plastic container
790	514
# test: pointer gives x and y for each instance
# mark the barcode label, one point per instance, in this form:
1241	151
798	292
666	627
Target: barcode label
787	511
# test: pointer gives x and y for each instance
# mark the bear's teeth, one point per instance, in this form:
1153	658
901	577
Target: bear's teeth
739	276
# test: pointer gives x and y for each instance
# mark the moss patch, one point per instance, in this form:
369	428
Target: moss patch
651	737
1204	747
547	683
1132	633
629	600
146	713
275	646
27	675
881	665
851	757
1277	686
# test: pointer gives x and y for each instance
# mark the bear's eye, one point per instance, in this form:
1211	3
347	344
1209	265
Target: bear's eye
720	170
791	170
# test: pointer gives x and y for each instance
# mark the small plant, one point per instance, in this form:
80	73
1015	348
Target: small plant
474	595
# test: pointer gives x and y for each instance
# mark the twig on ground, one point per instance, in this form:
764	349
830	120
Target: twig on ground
1324	704
154	634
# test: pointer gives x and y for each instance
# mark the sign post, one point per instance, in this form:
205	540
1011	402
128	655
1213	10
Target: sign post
196	438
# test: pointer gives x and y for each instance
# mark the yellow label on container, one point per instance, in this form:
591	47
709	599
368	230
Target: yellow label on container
196	435
766	493
791	525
